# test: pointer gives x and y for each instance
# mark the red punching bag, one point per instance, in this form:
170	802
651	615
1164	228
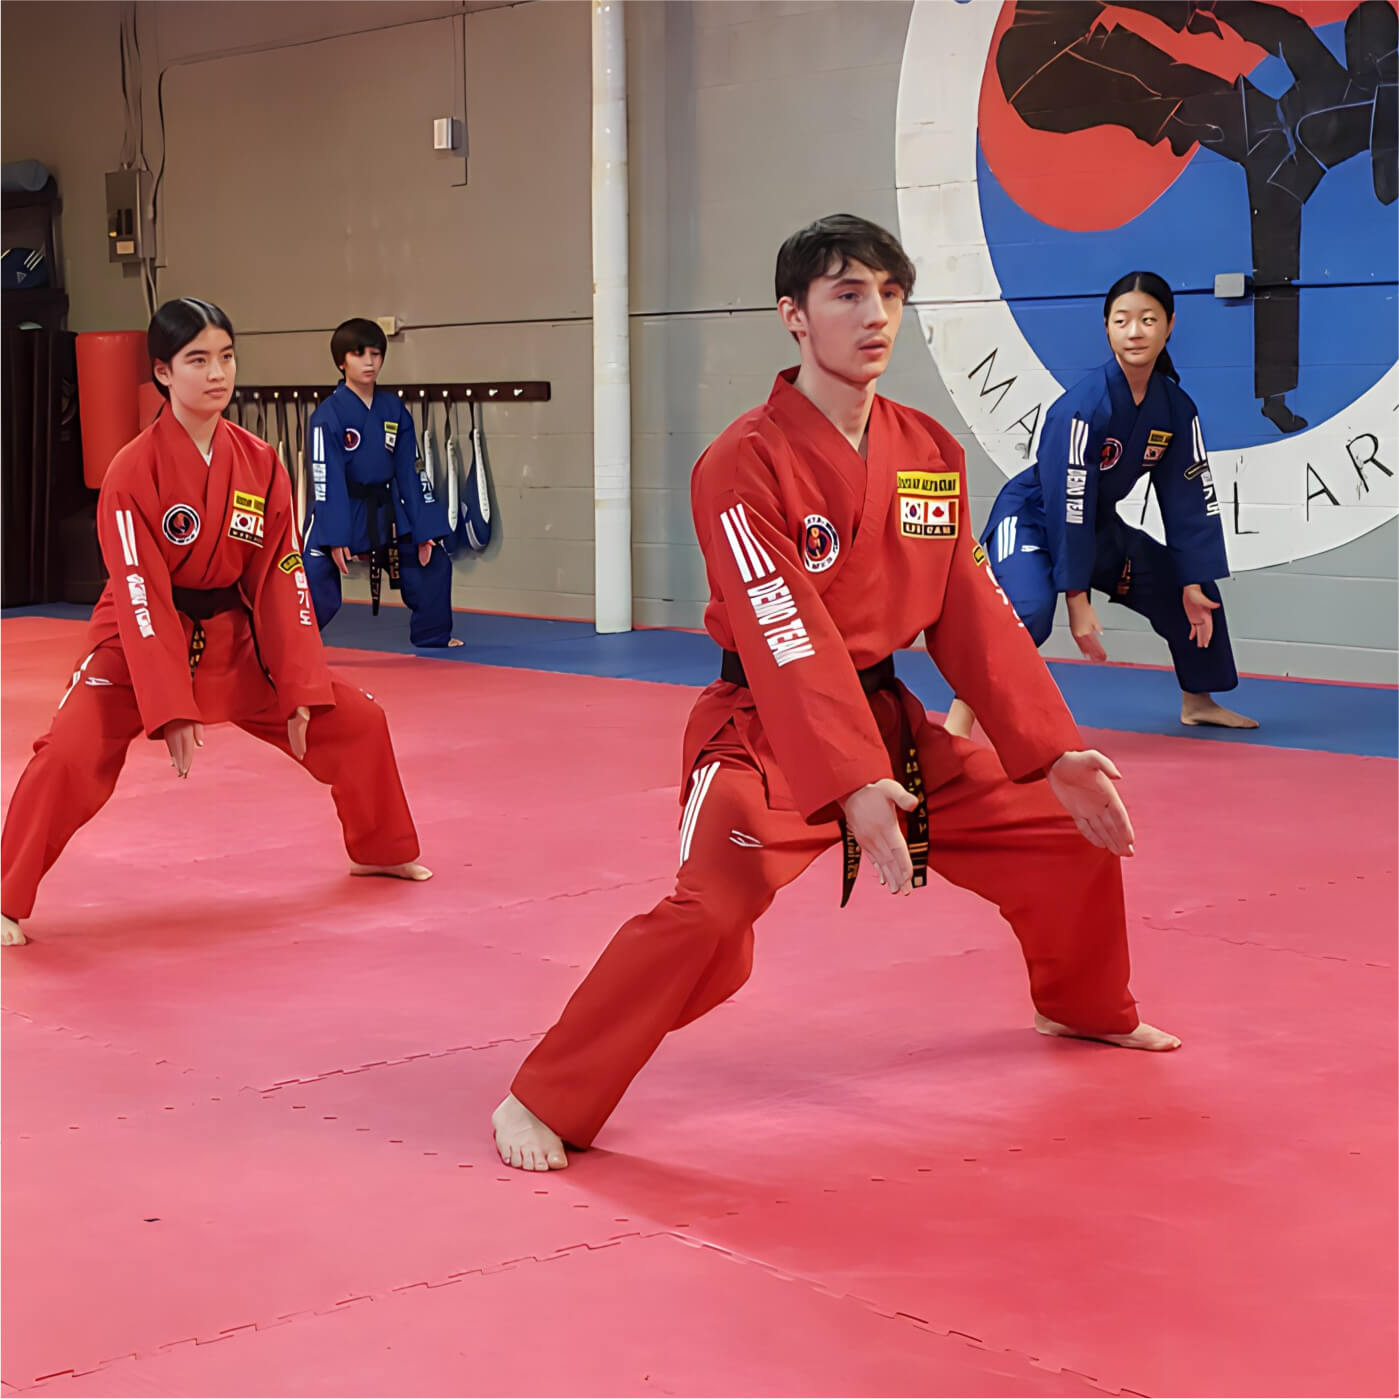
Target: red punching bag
112	368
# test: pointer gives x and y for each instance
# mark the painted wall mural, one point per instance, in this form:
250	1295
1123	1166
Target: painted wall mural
1047	146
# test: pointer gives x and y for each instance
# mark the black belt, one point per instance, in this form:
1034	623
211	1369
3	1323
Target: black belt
199	604
380	500
879	676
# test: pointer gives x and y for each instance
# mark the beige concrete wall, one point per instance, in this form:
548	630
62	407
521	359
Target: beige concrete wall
295	206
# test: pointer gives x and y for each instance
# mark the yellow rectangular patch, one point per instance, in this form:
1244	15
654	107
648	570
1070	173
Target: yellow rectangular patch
978	556
290	563
932	483
1158	438
253	504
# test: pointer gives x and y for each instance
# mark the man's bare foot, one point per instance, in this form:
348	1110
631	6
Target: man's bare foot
456	641
959	719
524	1141
408	871
1203	709
1145	1036
10	934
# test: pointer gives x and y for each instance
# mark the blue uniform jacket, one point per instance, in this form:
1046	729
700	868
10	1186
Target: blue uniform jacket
1095	446
354	446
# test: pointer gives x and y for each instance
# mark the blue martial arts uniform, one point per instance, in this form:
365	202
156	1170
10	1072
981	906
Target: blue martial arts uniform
365	487
1055	528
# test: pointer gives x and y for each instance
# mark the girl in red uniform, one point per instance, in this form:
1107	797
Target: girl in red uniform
206	618
835	530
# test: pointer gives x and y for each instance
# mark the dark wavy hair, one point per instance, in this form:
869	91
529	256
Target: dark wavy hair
175	325
1156	288
828	246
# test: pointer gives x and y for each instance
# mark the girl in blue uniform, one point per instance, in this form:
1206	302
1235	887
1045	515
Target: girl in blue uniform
1055	528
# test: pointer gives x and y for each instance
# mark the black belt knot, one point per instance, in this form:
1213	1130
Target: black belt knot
383	535
199	604
879	676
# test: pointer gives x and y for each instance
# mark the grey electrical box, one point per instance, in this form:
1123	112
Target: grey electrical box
1230	286
130	237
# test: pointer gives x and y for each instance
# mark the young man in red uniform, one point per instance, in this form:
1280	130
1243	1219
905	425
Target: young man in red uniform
835	530
206	617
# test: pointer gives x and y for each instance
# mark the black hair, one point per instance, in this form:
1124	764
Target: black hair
828	246
175	325
1156	288
354	337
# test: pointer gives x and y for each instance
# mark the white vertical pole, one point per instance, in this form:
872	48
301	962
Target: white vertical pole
611	327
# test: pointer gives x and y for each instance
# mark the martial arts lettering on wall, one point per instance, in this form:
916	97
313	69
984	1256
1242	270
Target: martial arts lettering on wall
1045	148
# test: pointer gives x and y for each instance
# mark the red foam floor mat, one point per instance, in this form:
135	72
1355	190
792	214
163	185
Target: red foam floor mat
245	1097
638	1316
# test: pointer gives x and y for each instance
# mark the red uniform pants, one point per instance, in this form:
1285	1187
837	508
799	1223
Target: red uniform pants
76	764
1012	844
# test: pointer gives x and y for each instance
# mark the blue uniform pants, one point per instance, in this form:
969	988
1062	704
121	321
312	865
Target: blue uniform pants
427	592
1132	569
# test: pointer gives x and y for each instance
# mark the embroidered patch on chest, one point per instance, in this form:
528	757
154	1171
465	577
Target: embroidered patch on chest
245	522
180	524
390	436
1109	454
928	504
820	543
1156	443
351	439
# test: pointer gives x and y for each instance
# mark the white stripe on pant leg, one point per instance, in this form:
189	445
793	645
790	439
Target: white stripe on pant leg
77	676
1012	524
690	803
698	792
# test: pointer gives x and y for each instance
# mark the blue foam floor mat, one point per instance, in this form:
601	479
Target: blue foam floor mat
1328	718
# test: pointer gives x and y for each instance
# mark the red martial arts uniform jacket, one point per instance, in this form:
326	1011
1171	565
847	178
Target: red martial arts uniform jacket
168	521
821	564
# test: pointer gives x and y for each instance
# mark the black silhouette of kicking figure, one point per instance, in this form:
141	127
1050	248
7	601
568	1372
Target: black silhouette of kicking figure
1063	69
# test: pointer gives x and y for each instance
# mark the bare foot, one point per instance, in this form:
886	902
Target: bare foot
456	641
524	1141
1145	1036
10	935
959	719
408	871
1203	709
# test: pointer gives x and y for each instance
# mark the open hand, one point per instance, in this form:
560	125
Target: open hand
182	737
1083	784
1086	628
1199	609
424	553
296	732
871	814
341	559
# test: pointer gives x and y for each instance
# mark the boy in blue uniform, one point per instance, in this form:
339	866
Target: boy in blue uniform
368	497
1055	528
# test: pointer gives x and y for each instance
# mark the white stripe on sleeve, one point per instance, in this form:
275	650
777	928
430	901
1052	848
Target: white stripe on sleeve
127	533
740	558
761	557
